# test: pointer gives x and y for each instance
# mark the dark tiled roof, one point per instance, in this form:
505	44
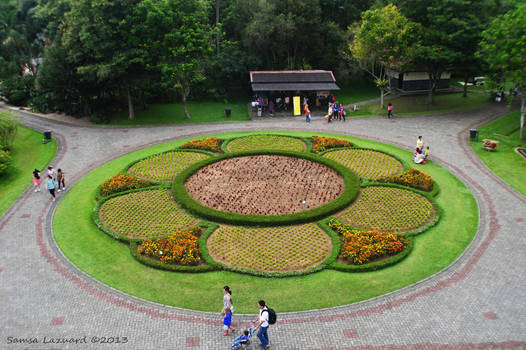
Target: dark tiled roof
294	86
293	80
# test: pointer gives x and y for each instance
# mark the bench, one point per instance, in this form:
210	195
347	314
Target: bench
490	145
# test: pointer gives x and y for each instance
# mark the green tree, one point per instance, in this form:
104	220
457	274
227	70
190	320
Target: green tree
449	35
383	39
181	40
8	130
504	48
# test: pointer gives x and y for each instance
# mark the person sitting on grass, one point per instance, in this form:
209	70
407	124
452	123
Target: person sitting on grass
418	156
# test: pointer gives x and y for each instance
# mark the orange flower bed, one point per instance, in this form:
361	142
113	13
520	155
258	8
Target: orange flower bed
212	144
320	144
413	178
360	247
120	183
180	248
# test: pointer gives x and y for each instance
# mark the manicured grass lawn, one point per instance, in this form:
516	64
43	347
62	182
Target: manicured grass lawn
173	113
27	154
110	261
504	162
418	104
357	90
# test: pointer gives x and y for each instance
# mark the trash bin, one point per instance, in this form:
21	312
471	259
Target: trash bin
47	136
228	111
473	134
260	111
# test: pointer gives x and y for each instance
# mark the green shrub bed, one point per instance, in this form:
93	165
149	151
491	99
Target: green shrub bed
142	214
366	163
270	249
388	209
266	142
165	166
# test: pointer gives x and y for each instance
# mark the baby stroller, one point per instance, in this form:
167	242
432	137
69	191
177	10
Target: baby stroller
243	343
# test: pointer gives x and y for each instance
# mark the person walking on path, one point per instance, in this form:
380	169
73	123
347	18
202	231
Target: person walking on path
342	112
227	322
37	180
262	324
60	180
227	300
51	172
307	113
389	110
50	182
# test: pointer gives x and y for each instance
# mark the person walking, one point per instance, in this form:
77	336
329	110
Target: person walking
227	300
307	113
261	324
60	180
329	113
389	110
50	182
37	180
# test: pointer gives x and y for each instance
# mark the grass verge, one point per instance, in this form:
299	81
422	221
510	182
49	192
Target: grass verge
110	261
418	104
504	162
28	153
173	113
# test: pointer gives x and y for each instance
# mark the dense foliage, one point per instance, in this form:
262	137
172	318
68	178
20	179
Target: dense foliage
90	57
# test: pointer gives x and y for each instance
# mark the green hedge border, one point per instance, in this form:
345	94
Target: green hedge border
366	267
127	167
187	202
428	196
171	267
333	255
106	229
308	145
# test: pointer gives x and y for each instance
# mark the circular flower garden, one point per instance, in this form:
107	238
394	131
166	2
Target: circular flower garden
268	205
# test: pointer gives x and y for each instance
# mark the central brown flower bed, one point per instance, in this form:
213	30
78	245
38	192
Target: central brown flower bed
265	185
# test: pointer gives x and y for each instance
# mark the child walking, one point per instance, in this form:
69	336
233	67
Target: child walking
60	180
227	321
389	110
36	180
50	182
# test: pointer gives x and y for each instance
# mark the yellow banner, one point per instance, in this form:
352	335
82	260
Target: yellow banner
297	105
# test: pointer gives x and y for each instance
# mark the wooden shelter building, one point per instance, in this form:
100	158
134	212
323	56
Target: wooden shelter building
274	90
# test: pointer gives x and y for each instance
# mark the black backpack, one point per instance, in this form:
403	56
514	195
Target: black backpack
272	317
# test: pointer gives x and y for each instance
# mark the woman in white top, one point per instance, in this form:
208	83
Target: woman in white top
227	299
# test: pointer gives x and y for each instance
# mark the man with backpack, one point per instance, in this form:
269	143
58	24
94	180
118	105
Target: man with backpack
266	317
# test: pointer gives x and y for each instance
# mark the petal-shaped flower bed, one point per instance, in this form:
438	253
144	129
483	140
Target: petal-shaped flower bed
267	142
367	163
270	249
165	166
144	214
388	209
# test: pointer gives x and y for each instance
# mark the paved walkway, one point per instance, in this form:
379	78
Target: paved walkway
477	302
